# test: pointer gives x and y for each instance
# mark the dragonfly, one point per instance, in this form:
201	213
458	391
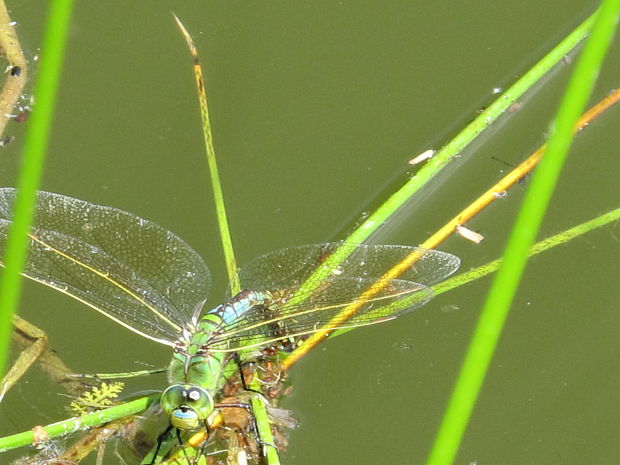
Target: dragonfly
150	281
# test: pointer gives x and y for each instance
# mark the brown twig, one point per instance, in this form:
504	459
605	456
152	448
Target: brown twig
17	70
34	348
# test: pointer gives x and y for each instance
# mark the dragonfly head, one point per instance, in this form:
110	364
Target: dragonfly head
187	405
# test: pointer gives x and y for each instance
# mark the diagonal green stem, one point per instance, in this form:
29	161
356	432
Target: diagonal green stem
115	413
63	428
495	310
452	149
541	246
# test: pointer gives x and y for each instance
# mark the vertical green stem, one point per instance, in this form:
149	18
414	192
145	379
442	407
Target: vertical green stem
222	218
259	409
35	144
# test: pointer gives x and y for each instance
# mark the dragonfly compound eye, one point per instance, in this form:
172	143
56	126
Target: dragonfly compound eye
188	406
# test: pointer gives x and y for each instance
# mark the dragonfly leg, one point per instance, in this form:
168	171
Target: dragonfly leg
187	457
239	404
261	428
253	426
240	365
174	448
205	443
160	440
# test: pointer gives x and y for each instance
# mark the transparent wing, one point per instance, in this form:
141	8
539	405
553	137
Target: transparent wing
275	320
294	312
292	266
130	269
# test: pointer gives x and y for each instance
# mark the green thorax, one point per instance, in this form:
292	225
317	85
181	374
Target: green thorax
193	362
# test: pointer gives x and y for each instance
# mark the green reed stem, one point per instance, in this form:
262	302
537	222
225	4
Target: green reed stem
452	149
259	409
35	145
541	246
71	425
130	408
220	208
497	305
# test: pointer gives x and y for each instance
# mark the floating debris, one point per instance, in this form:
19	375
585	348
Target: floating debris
470	235
427	154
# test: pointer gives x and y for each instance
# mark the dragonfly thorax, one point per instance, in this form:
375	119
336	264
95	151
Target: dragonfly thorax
188	406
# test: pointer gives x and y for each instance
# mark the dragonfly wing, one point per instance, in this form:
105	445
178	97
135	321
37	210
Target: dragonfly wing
294	265
313	291
277	320
130	269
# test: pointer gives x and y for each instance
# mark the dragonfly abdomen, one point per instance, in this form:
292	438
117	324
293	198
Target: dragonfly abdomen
235	309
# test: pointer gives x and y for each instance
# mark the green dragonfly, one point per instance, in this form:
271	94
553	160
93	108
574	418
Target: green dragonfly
150	281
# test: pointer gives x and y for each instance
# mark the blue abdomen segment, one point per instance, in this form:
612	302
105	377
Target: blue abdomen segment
237	307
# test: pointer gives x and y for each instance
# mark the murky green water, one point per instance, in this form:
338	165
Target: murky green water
316	109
